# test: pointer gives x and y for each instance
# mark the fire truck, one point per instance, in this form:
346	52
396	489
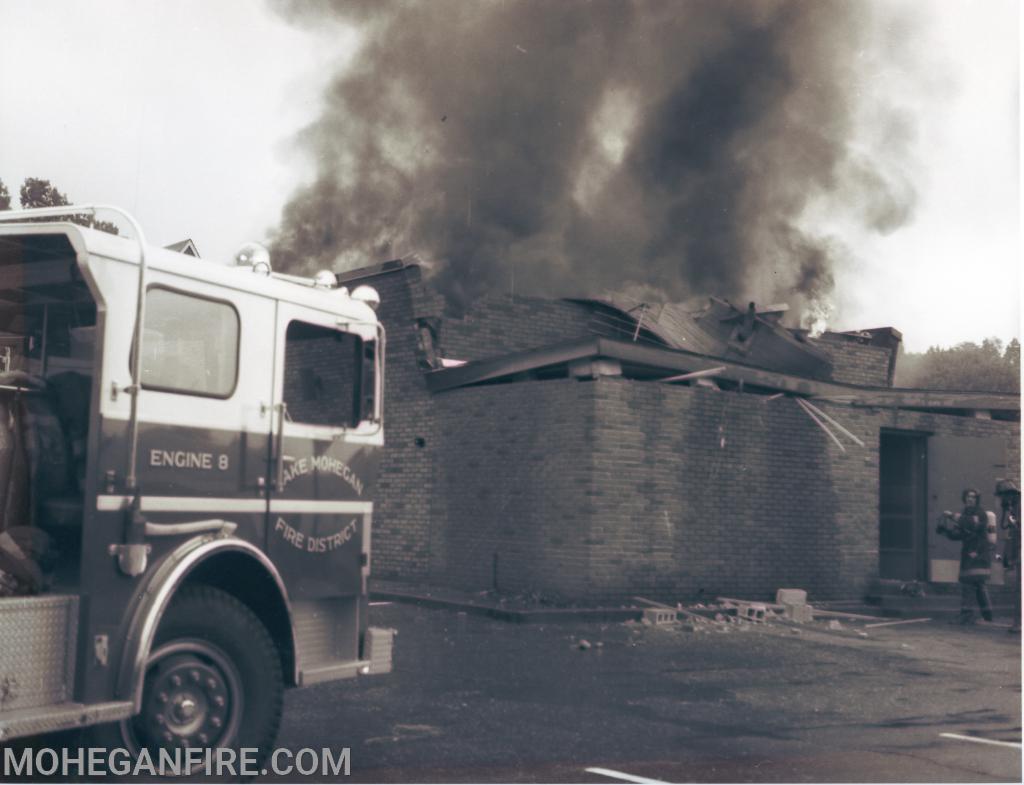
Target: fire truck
188	451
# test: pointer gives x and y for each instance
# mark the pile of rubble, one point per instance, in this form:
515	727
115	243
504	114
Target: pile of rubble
790	606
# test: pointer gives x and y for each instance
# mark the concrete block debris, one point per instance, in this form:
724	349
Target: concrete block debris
660	615
745	611
790	597
740	614
729	601
798	612
754	611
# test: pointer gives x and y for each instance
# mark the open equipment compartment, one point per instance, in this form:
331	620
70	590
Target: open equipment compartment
48	319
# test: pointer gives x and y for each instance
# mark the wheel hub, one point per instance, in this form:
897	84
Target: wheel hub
188	702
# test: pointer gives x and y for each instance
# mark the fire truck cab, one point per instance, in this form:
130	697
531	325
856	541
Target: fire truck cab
193	447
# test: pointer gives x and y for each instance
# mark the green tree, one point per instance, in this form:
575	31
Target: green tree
36	192
39	193
1012	358
5	197
988	367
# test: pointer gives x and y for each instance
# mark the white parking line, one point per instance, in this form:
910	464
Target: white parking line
979	740
619	775
380	603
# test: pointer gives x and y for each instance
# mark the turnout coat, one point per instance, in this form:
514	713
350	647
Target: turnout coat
975	550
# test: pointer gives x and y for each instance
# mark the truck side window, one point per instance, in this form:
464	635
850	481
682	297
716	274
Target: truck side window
190	344
322	370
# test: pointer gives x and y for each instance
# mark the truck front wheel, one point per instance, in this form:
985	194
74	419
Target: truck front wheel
213	680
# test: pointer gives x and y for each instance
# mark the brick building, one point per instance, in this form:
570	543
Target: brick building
550	446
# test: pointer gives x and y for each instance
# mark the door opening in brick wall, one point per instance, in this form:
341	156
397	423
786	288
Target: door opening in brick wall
956	462
902	507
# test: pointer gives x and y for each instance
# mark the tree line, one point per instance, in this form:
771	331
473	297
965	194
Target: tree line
36	192
988	367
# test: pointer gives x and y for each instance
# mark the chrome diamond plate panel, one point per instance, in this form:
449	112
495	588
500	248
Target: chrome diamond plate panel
37	658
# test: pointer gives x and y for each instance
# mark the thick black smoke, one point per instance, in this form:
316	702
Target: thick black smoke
565	147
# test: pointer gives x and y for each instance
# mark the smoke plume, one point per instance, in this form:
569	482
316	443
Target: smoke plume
572	147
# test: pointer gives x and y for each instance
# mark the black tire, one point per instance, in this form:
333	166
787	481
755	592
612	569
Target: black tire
213	680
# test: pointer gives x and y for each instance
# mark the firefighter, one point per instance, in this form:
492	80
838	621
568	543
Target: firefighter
1009	496
970	527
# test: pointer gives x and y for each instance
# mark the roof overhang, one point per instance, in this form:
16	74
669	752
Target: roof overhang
654	363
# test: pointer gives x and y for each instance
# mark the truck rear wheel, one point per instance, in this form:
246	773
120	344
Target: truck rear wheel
213	680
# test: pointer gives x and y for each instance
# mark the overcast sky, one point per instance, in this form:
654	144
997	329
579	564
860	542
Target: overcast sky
185	113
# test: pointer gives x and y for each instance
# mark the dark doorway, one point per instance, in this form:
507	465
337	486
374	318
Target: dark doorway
902	507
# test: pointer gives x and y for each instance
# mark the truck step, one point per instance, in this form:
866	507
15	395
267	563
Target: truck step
333	672
327	641
61	716
326	637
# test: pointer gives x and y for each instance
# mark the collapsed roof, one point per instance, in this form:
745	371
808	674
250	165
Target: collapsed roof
720	329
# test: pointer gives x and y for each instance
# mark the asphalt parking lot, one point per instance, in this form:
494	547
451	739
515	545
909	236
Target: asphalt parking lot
477	700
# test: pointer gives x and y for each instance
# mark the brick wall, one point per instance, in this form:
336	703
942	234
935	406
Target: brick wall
402	522
734	493
428	440
710	492
854	362
516	464
498	325
601	490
